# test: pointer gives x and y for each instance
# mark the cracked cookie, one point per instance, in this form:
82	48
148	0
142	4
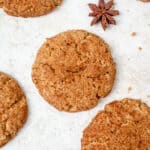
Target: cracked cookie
123	125
29	8
73	70
13	108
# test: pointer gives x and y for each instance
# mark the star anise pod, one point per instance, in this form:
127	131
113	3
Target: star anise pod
103	13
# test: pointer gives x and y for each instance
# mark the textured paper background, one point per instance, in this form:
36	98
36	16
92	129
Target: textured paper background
46	128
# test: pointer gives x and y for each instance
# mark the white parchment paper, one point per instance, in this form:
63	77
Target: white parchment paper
46	128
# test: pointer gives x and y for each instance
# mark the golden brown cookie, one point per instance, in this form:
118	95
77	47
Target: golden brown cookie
1	3
30	8
73	70
13	108
123	125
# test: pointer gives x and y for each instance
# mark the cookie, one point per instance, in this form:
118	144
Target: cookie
123	125
145	0
1	3
13	108
29	8
73	70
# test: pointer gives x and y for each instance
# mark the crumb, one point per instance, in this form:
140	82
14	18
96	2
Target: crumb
140	48
133	34
148	96
129	89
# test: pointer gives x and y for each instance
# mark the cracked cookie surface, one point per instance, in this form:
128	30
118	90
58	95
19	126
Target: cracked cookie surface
73	70
13	108
123	125
29	8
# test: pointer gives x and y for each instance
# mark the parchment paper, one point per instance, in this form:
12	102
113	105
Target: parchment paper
46	128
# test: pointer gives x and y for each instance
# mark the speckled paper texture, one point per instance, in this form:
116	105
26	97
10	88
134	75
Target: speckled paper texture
20	39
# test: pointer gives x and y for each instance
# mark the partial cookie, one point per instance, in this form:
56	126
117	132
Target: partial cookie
30	8
145	0
1	3
73	70
123	125
13	108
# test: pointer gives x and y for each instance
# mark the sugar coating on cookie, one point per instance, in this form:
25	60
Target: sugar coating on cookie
123	125
29	8
13	108
73	70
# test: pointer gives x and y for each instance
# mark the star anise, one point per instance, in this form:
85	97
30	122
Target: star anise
103	13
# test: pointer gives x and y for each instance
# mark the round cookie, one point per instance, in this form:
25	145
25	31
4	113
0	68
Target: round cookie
13	108
29	8
123	125
73	70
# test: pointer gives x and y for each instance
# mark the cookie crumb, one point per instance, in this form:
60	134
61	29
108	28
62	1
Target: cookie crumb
129	89
140	48
133	34
148	96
